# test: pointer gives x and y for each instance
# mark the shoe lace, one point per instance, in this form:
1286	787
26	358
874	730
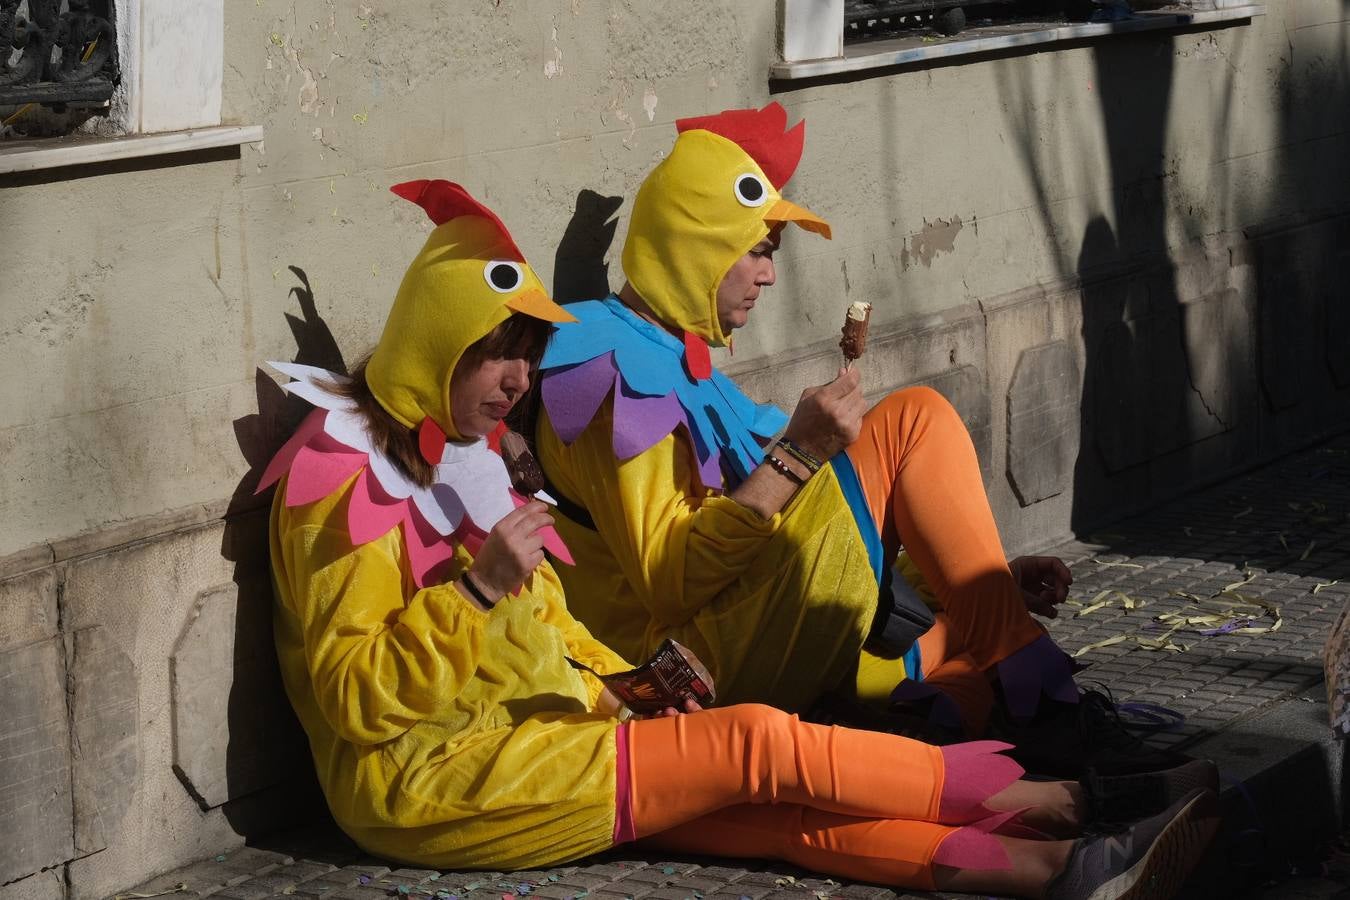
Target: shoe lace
1099	721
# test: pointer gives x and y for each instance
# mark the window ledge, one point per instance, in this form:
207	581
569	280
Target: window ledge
984	39
51	153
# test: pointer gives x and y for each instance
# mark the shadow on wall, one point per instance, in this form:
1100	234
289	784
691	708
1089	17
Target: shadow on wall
580	272
270	779
1191	350
580	268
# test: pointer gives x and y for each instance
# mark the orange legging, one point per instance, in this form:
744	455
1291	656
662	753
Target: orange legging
921	477
753	781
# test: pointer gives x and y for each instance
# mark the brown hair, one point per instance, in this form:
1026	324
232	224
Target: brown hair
519	337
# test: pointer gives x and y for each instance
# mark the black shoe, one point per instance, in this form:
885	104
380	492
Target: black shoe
1066	740
1117	799
1147	861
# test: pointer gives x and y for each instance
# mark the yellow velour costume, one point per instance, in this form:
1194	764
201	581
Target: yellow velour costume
640	437
443	735
449	736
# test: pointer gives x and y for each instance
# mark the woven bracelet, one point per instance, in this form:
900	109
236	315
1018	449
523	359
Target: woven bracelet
800	455
782	469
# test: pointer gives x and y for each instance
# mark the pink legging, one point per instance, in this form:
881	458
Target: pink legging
752	781
921	477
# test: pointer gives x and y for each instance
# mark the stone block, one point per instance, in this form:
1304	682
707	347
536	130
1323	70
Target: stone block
1283	313
28	608
106	747
1119	403
234	732
35	792
1338	320
48	885
1216	337
965	388
1043	422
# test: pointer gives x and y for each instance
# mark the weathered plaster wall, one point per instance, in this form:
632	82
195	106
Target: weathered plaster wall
1140	241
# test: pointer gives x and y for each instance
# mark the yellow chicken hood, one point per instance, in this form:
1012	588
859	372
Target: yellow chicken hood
705	206
467	279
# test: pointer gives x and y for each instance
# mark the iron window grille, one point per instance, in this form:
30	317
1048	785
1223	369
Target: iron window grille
62	55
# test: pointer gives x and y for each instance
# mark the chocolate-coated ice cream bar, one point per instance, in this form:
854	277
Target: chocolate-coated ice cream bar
854	341
526	476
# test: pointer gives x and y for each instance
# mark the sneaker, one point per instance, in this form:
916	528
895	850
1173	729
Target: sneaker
1147	861
1066	740
1116	799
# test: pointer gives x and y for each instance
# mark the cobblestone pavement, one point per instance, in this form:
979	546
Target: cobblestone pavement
1275	539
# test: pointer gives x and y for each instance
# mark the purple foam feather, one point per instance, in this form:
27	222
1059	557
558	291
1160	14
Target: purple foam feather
640	422
573	396
1038	668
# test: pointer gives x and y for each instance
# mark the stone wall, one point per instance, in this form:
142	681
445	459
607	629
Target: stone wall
1125	263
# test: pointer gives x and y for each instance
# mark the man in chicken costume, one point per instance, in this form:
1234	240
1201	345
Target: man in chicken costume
774	562
428	651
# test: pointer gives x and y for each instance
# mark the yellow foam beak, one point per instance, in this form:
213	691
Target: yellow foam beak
787	211
536	303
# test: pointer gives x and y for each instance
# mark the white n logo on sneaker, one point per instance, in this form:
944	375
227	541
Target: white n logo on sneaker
1118	847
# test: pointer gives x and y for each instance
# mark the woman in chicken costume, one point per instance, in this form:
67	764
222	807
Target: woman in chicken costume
774	567
425	645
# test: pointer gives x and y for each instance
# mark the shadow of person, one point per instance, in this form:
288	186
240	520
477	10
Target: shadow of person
270	778
580	269
580	272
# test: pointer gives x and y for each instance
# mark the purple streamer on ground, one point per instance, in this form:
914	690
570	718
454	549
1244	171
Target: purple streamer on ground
1228	627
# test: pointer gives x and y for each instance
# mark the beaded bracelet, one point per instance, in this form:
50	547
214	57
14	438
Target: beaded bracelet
476	591
800	455
782	469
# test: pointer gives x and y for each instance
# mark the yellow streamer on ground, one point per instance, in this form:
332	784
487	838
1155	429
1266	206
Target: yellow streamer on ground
179	888
18	114
1114	639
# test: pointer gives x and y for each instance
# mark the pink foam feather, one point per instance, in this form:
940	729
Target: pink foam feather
971	848
281	463
319	468
553	541
371	513
470	538
426	548
975	771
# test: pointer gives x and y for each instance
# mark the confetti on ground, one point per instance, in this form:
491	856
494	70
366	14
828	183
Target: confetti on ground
179	888
360	118
1317	587
1111	564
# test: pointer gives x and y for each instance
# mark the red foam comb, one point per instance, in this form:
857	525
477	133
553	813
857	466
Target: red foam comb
444	200
762	133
